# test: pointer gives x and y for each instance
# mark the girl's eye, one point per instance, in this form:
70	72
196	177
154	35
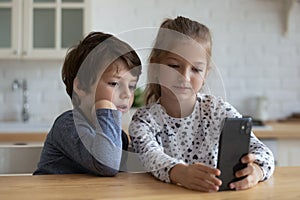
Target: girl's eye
113	84
197	69
173	65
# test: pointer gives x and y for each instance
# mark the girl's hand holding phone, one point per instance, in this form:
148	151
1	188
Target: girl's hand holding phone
253	174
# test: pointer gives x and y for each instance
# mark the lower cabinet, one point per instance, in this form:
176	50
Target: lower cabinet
288	154
286	151
20	152
19	158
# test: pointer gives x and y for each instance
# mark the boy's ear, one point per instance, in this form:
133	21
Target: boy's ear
77	87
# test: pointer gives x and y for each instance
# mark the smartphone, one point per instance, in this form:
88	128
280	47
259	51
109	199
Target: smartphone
233	145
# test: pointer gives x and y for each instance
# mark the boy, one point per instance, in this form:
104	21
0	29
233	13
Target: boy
100	75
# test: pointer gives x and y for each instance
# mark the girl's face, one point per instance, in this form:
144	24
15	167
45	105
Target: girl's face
117	85
182	72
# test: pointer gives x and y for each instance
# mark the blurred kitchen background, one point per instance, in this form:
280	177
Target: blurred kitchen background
256	58
256	48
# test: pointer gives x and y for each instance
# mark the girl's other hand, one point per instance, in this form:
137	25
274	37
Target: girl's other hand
196	177
253	174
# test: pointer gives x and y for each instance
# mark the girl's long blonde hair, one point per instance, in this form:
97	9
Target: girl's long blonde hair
187	29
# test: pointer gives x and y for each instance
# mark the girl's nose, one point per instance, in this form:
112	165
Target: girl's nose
185	74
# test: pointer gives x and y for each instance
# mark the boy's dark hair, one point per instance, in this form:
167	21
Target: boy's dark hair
93	55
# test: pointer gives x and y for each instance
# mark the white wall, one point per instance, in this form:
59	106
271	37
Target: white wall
250	51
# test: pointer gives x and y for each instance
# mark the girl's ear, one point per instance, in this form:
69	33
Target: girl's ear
208	68
153	72
77	88
152	60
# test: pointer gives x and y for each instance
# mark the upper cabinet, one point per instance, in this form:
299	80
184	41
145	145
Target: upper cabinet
41	29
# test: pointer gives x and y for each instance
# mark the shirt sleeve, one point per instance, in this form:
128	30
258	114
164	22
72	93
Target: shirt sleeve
264	156
98	149
151	154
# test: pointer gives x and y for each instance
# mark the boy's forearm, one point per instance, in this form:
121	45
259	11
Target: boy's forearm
104	144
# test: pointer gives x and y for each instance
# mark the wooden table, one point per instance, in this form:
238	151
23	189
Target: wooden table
283	185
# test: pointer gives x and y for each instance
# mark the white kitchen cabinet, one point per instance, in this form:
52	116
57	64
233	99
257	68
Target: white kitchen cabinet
19	159
41	29
288	152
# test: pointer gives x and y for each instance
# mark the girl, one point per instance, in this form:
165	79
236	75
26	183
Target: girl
176	134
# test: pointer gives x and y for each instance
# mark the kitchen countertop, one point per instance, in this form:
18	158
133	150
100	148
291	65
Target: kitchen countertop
16	132
274	130
25	127
283	185
38	132
279	130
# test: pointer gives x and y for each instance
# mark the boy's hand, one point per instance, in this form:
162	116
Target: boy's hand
253	172
105	104
196	176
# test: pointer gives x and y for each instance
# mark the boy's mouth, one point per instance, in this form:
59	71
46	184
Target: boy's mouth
122	108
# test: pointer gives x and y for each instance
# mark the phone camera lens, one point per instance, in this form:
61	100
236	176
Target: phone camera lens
248	124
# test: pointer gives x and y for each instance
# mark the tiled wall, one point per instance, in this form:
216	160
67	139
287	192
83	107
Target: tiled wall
46	95
252	56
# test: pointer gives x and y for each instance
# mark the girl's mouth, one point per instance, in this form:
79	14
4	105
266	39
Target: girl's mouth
182	88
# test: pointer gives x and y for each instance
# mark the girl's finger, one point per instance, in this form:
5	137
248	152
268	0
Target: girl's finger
248	158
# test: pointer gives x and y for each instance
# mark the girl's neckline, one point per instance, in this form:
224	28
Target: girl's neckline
163	111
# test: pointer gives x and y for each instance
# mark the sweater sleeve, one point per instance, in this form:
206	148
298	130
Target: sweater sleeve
150	152
98	149
264	156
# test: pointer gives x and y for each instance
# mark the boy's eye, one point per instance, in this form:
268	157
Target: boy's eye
132	87
113	84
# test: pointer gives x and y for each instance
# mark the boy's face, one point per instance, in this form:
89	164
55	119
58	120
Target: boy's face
117	85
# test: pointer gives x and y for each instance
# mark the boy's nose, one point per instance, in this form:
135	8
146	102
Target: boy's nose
125	93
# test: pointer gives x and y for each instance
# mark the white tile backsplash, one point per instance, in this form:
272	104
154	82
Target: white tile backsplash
45	89
253	56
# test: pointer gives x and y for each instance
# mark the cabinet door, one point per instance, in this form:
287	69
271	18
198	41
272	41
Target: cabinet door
10	26
71	32
52	26
289	152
